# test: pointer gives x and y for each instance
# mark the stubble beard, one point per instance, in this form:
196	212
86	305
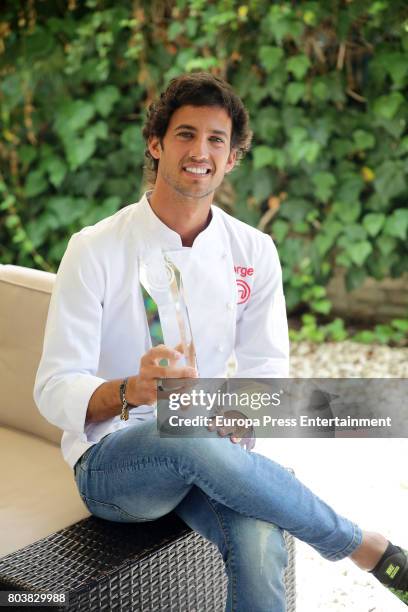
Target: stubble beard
184	191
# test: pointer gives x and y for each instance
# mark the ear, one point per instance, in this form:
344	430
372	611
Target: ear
154	147
232	158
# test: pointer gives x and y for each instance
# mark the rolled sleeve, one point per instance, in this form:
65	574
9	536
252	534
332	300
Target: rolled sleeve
66	377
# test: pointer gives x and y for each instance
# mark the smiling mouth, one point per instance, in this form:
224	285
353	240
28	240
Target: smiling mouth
197	172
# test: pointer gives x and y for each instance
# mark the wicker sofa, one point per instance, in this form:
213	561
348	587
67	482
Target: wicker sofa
49	543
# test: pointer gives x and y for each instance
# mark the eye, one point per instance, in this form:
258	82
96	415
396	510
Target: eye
217	139
185	134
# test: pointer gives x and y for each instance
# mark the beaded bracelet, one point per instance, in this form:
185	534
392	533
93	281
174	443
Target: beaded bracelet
124	415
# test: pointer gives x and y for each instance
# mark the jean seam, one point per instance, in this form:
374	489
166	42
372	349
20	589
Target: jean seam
349	548
230	549
114	507
131	465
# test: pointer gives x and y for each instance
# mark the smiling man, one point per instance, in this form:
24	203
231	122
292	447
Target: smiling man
98	375
193	157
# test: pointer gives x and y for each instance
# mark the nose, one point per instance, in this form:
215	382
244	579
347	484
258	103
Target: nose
199	149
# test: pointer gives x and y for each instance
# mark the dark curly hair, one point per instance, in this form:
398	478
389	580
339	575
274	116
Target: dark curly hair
197	89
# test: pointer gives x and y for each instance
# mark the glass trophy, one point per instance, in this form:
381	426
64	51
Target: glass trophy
165	305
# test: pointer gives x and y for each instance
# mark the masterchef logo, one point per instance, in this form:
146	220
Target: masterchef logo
244	290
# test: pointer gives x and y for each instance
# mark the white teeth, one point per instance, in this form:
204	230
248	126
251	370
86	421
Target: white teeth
197	170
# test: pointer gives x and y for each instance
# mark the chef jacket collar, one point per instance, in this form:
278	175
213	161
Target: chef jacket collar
169	239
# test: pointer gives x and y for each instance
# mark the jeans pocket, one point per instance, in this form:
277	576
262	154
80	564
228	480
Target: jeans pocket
111	512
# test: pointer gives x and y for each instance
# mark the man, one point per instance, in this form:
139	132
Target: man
98	375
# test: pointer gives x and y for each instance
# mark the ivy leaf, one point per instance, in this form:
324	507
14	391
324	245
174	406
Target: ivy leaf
280	25
350	188
386	244
266	156
35	184
98	130
364	140
67	209
390	180
39	43
270	57
373	222
56	169
175	29
364	337
295	209
332	227
295	92
387	106
359	252
132	139
40	227
322	306
279	230
354	232
401	324
27	154
403	146
323	242
347	212
324	183
307	150
397	224
201	63
104	99
97	213
79	150
298	65
321	91
73	116
263	184
395	64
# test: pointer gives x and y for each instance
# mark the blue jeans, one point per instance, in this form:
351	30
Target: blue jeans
237	499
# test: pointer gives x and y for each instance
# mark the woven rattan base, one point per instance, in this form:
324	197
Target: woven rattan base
160	566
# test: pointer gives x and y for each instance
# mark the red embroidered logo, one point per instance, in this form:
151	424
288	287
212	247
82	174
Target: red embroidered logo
243	271
244	291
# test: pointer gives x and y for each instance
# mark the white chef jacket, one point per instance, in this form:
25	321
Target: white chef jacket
97	327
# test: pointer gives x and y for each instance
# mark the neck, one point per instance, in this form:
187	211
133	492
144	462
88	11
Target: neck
186	216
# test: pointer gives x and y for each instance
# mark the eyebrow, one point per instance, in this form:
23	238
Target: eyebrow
185	126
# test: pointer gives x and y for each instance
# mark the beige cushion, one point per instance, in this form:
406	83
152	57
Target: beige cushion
24	299
38	491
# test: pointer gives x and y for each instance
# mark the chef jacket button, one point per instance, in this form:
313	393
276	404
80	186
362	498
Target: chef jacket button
220	348
230	306
223	255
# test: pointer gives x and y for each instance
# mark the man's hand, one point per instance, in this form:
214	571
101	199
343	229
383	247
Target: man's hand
142	389
239	434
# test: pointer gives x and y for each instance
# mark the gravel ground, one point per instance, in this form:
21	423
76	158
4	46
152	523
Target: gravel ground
363	479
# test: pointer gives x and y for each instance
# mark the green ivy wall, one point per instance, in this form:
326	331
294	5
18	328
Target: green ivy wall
326	85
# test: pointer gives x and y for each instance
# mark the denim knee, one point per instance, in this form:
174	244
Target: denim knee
260	544
256	564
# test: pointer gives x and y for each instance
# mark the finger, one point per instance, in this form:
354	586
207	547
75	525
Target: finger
156	371
157	353
223	431
178	353
235	440
211	427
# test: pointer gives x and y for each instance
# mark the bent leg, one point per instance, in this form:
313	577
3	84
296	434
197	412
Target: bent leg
254	552
144	476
